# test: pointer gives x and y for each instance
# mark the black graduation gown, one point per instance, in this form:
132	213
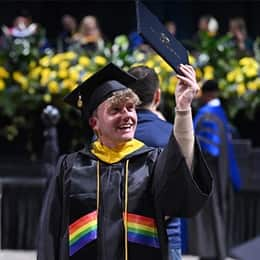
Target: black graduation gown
158	184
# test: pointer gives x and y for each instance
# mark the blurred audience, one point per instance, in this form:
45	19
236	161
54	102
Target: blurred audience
89	35
207	24
240	38
23	27
207	27
69	28
214	221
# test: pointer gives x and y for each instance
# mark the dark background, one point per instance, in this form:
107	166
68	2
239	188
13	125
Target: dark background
117	17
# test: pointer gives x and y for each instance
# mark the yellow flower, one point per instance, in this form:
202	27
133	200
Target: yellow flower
46	72
156	58
62	73
24	83
252	85
35	73
165	66
192	60
241	89
239	78
47	98
70	55
17	75
100	60
150	64
231	76
251	71
64	64
2	85
4	73
198	73
53	87
235	75
74	75
84	61
250	66
21	79
68	84
45	61
55	59
245	61
208	72
45	76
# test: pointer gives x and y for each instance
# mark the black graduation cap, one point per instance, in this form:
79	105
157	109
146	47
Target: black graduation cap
100	86
93	91
163	42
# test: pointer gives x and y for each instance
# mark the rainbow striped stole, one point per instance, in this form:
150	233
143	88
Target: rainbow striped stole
82	232
142	230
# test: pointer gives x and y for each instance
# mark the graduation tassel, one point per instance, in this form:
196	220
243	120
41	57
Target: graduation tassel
79	102
126	206
98	181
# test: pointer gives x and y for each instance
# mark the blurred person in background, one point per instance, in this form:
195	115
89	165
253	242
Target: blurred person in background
69	28
22	29
154	131
240	39
89	35
213	222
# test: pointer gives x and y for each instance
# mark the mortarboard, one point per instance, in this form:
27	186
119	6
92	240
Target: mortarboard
100	86
93	91
163	42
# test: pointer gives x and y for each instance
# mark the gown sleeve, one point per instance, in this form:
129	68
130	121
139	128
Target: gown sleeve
51	234
177	191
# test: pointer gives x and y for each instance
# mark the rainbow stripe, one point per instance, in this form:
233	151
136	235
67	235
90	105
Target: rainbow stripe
82	232
142	230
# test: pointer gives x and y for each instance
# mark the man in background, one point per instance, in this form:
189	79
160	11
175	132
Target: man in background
154	131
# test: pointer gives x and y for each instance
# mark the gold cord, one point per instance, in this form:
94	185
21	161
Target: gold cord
98	184
126	204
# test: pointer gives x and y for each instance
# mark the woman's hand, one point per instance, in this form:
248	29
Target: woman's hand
187	87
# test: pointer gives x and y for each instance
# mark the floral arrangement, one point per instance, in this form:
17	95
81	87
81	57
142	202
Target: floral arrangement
31	79
238	77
